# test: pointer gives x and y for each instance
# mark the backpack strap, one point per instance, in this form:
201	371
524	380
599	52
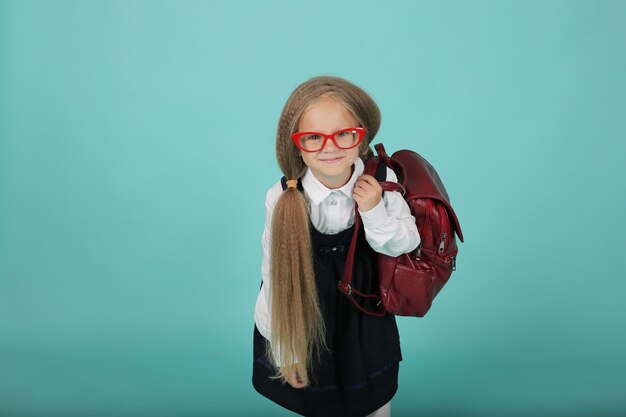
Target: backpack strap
394	165
345	285
388	162
381	171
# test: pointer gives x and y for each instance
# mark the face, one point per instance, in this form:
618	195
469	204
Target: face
331	166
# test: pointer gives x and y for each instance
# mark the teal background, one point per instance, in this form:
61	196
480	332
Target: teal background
137	143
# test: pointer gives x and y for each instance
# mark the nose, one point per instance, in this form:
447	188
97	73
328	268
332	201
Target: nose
329	146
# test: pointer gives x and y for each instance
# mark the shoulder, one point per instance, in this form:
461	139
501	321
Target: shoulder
391	175
389	196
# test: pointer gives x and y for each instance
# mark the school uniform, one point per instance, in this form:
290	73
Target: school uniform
359	372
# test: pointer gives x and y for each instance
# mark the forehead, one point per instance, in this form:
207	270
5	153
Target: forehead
326	115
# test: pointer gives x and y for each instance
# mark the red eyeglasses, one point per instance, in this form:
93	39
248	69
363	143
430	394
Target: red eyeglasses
315	141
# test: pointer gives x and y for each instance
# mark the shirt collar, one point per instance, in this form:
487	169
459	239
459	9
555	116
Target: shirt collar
318	192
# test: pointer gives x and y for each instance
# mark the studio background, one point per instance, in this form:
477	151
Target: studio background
137	144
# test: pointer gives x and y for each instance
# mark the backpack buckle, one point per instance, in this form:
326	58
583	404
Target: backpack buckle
344	288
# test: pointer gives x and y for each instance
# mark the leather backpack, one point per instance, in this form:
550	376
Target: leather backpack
408	283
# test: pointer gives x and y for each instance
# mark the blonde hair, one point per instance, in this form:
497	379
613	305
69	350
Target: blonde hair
298	332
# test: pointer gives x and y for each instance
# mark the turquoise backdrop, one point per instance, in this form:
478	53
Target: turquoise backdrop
137	143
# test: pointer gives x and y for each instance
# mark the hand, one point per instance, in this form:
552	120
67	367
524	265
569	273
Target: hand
293	378
367	192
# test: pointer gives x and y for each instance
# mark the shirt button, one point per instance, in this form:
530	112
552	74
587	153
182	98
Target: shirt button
332	230
333	203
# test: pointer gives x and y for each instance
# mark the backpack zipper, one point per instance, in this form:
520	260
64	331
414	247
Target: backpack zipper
442	243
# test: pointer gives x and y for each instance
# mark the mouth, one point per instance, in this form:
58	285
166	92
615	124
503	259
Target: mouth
331	160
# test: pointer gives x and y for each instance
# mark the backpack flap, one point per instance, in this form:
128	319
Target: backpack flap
419	179
424	182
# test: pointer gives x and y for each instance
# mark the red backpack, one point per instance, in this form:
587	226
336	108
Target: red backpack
409	283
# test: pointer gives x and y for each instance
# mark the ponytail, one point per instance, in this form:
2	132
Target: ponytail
297	323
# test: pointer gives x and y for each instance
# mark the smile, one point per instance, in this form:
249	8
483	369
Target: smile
331	161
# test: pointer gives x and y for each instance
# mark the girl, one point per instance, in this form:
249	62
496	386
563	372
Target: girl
315	353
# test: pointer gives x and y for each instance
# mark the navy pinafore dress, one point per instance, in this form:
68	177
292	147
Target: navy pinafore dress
359	373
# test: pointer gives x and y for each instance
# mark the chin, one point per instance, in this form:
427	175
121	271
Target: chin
344	171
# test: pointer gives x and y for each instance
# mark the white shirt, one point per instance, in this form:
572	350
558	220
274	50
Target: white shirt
389	227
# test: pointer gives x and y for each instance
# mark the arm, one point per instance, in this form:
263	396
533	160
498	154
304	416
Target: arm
389	226
262	310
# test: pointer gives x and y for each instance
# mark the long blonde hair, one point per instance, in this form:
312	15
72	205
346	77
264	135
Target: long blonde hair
298	331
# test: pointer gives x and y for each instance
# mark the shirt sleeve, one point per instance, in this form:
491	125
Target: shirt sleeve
389	227
262	310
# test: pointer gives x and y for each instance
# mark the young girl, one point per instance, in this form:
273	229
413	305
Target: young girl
314	352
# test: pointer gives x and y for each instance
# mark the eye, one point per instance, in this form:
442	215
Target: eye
312	136
347	132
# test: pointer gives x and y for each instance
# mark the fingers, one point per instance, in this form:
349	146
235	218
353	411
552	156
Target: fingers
368	179
294	379
367	192
367	185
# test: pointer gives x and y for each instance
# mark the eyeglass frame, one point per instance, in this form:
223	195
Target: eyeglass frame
296	138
